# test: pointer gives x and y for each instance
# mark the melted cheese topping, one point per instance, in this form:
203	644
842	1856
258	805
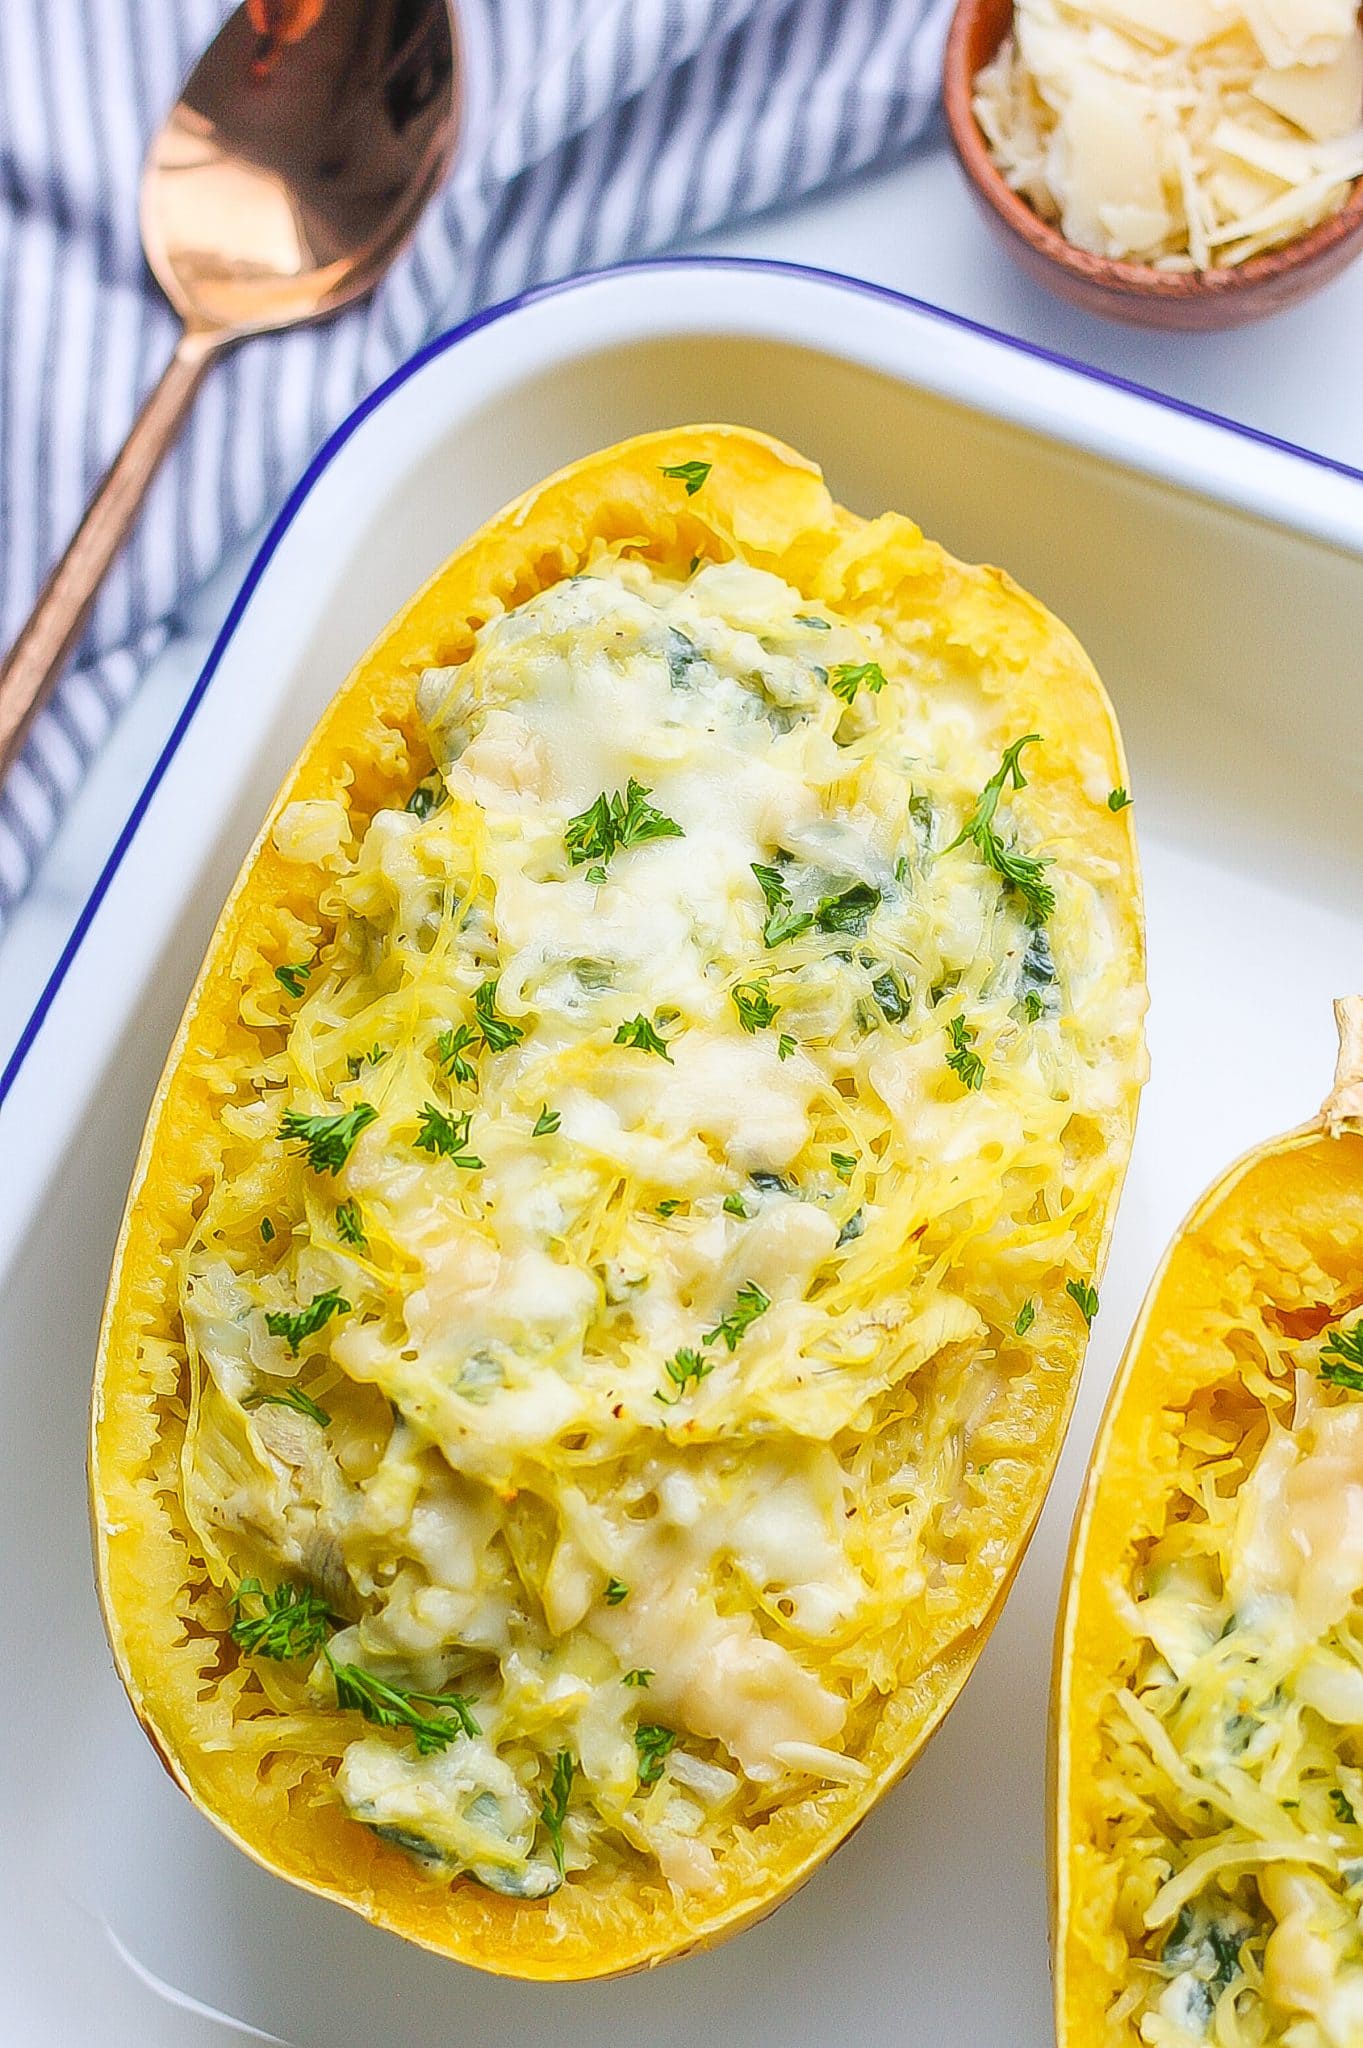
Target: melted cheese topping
1232	1765
1184	133
665	1185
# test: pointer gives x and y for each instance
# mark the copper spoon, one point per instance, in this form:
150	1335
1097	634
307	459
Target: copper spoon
304	146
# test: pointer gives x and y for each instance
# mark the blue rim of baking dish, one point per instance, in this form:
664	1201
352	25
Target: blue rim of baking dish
754	266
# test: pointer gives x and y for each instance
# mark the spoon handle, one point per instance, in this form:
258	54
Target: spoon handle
39	654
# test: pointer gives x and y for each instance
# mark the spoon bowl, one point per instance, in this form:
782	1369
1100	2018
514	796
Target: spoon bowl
283	183
294	165
1136	292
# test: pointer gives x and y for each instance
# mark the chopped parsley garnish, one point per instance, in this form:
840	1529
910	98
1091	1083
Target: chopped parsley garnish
692	474
848	677
1084	1295
639	1033
685	1371
327	1141
497	1033
1343	1810
289	1397
447	1135
267	1230
293	977
293	1621
294	1325
1024	1319
554	1806
1033	1005
615	822
964	1062
450	1051
616	1591
654	1745
1341	1358
1117	799
669	1207
597	876
844	1164
754	1006
546	1123
391	1706
1024	873
785	1046
350	1226
783	922
641	1679
734	1205
808	619
375	1057
749	1303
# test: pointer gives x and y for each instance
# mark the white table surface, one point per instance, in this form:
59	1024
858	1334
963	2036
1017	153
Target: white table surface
913	228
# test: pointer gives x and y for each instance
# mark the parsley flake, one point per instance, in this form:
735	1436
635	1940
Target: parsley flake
686	1370
749	1303
546	1123
783	922
785	1046
654	1745
1084	1295
294	1325
612	823
554	1806
641	1679
1339	1801
965	1063
450	1053
1117	799
293	1621
391	1706
1341	1358
848	677
808	619
754	1006
616	1591
844	1164
497	1033
350	1226
692	474
734	1205
267	1230
293	977
669	1207
447	1135
289	1397
1024	1319
327	1141
639	1033
1024	873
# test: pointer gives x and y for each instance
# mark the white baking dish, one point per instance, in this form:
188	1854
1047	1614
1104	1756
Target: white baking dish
1217	580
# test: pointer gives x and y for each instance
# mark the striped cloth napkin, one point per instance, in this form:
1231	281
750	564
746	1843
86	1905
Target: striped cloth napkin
596	130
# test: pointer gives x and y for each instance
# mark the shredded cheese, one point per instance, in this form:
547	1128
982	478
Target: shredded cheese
1187	136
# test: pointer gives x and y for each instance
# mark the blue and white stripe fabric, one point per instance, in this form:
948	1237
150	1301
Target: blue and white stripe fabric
597	130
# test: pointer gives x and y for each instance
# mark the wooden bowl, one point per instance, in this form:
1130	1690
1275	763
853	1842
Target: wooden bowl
1101	284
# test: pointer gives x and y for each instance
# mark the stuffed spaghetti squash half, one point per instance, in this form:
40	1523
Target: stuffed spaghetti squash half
1208	1736
604	1283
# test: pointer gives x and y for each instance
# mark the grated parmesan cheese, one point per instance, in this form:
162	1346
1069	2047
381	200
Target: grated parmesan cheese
1185	134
